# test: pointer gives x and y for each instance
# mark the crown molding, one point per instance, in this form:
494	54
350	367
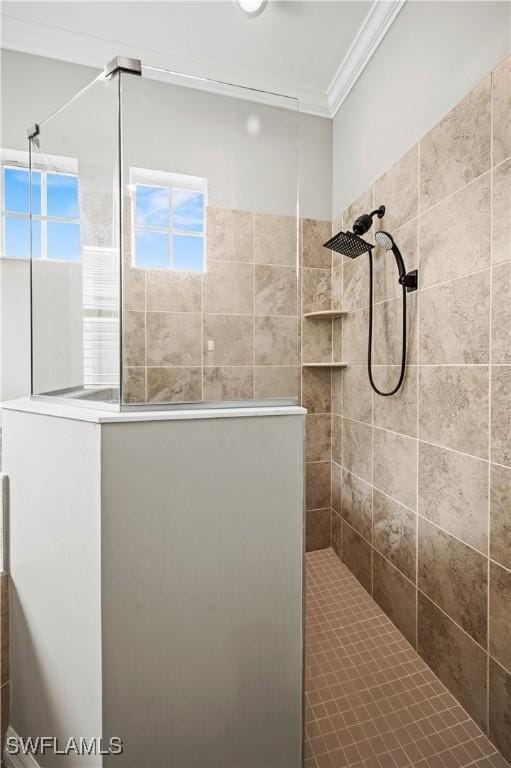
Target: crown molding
94	51
375	26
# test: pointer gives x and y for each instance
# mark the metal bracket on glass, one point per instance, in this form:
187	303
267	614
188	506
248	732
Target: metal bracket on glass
33	131
123	64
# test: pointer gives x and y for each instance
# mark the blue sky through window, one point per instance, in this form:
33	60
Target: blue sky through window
56	199
187	252
16	191
163	217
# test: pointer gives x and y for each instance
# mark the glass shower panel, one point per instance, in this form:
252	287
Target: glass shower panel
75	235
209	194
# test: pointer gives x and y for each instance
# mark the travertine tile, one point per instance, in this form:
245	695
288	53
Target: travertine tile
230	235
397	189
357	394
337	281
457	149
395	466
276	290
172	291
363	204
455	577
453	407
336	533
228	288
500	514
174	384
501	221
275	239
502	111
500	615
233	338
453	493
447	252
457	660
318	529
134	288
337	479
228	383
276	381
500	708
501	313
463	307
356	448
337	390
388	331
314	233
354	337
134	390
174	338
316	341
316	290
316	390
355	284
356	499
357	555
397	412
318	477
396	595
501	414
394	533
134	338
337	438
319	437
386	282
276	341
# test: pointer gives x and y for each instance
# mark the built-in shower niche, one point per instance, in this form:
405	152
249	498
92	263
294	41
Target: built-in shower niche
164	244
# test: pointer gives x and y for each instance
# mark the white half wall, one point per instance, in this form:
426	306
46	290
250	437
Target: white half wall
432	56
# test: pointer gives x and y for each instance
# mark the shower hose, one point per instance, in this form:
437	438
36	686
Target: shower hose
370	341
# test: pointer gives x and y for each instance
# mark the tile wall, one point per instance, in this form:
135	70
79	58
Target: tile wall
246	304
421	481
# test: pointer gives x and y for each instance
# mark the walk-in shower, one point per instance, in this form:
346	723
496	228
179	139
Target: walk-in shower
352	244
175	279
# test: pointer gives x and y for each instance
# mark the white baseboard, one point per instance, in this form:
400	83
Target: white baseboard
18	761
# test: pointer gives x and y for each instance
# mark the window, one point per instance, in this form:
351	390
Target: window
55	214
169	231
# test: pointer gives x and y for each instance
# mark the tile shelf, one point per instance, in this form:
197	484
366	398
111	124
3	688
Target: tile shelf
327	314
324	365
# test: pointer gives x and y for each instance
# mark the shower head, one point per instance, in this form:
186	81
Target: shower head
348	244
384	240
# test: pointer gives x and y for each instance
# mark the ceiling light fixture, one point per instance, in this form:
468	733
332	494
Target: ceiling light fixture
252	8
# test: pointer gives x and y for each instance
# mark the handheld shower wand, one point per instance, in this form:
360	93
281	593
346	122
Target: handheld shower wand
351	244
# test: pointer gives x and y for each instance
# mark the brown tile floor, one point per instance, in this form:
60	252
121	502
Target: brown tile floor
371	702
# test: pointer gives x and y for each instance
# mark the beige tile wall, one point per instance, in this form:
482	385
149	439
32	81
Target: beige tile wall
246	303
421	482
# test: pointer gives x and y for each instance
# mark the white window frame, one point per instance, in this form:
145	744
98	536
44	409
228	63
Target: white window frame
63	166
142	177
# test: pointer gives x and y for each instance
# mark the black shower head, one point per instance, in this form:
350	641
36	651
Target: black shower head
348	244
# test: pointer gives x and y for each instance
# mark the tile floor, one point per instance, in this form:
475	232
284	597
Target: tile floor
371	702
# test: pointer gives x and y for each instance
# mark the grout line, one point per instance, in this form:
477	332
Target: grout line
488	568
417	402
424	594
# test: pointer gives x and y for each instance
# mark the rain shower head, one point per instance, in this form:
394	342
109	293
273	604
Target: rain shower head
348	244
351	243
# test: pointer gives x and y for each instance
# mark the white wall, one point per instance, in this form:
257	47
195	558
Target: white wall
33	87
434	53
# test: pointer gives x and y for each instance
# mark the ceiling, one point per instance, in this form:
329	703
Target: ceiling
313	50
